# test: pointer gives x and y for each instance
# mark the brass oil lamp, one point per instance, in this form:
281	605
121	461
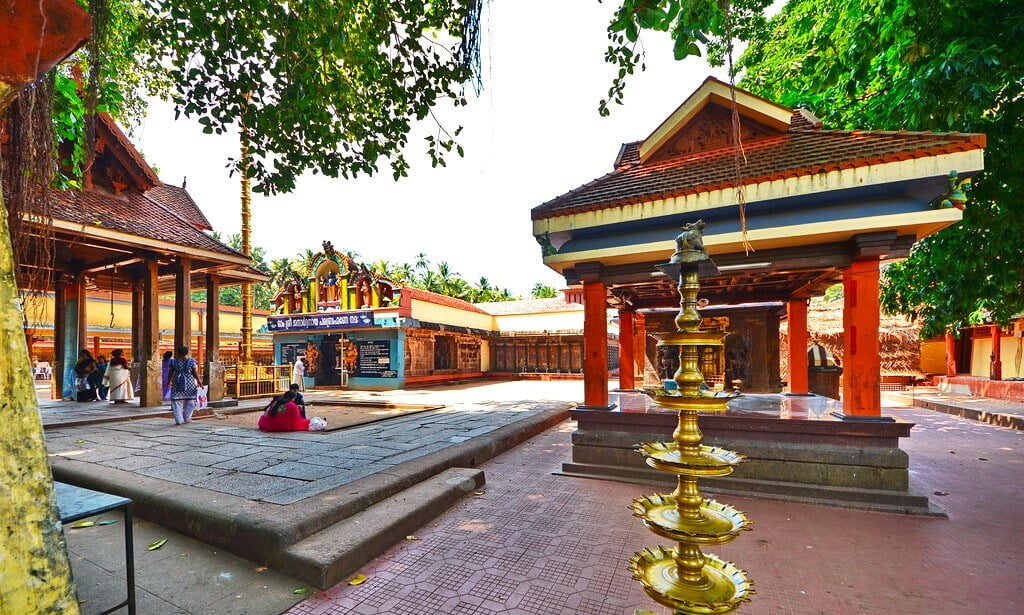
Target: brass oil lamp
684	578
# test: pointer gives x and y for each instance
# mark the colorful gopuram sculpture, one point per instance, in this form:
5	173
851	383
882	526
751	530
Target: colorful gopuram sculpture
332	281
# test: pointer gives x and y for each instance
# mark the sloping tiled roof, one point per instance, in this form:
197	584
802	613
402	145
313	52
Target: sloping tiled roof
180	201
445	300
135	214
800	151
529	306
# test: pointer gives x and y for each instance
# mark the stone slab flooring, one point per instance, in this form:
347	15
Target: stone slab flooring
535	543
280	468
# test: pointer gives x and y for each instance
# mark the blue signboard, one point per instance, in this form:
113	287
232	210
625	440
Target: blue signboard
319	321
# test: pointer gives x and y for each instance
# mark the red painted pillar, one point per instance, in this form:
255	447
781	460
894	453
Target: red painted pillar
862	395
639	347
950	354
995	370
626	376
595	344
796	314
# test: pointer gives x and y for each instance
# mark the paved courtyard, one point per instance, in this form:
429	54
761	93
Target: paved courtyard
535	543
279	468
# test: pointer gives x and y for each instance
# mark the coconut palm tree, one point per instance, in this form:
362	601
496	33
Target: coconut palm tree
280	270
421	264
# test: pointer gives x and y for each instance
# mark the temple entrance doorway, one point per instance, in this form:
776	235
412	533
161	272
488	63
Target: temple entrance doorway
328	372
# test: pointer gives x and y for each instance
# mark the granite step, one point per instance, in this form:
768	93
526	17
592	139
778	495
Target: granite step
331	555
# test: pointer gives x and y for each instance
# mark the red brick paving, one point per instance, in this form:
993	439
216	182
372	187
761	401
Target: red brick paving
535	543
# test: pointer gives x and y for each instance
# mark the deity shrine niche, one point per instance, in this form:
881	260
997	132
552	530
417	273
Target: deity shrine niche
334	282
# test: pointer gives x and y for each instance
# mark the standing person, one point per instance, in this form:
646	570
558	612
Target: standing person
165	369
183	382
298	372
119	378
101	380
85	366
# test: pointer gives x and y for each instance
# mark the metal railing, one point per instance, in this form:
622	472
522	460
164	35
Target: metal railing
242	381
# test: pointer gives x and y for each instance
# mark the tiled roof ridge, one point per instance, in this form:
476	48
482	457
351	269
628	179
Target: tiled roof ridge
862	148
577	189
439	299
189	224
128	146
206	225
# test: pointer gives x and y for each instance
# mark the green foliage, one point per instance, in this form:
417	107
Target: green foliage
834	292
696	27
920	65
441	279
262	294
331	86
543	291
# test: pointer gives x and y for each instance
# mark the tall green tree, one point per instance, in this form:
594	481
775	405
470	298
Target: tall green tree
328	86
941	65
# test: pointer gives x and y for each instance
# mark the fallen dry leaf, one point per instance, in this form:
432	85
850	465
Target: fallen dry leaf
301	590
156	544
83	524
412	537
359	579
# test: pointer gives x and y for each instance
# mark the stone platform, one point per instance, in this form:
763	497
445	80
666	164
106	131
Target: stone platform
795	449
315	505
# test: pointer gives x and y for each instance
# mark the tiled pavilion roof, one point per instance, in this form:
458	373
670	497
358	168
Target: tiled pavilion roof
803	150
135	214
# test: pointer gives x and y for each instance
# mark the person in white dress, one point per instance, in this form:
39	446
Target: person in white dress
298	372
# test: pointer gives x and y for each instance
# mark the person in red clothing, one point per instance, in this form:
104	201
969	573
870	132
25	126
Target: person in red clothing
283	416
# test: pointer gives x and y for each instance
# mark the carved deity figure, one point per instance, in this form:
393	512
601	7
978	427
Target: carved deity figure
363	293
321	289
332	285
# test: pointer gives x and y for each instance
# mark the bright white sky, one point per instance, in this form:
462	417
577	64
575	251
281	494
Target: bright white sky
532	135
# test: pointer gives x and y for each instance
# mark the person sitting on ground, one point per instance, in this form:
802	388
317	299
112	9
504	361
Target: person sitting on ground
283	415
300	401
85	366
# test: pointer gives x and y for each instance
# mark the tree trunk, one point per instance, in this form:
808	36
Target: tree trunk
35	576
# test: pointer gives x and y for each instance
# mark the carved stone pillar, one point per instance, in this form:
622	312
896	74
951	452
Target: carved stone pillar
149	339
213	369
183	304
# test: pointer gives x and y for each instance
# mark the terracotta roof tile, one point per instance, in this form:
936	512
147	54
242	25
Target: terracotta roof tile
529	306
180	201
135	214
445	300
792	154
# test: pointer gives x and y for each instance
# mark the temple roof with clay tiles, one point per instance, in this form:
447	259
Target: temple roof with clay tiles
125	194
691	152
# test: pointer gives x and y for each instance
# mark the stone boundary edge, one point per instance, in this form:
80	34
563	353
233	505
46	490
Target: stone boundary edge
254	530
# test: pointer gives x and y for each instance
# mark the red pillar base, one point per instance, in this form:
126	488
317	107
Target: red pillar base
796	315
595	346
862	391
995	368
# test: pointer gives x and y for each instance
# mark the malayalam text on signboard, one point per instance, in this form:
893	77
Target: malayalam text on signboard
374	359
327	320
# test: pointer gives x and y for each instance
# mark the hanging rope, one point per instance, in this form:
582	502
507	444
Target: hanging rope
112	271
739	156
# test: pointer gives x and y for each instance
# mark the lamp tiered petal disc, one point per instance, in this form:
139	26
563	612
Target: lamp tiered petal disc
683	578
